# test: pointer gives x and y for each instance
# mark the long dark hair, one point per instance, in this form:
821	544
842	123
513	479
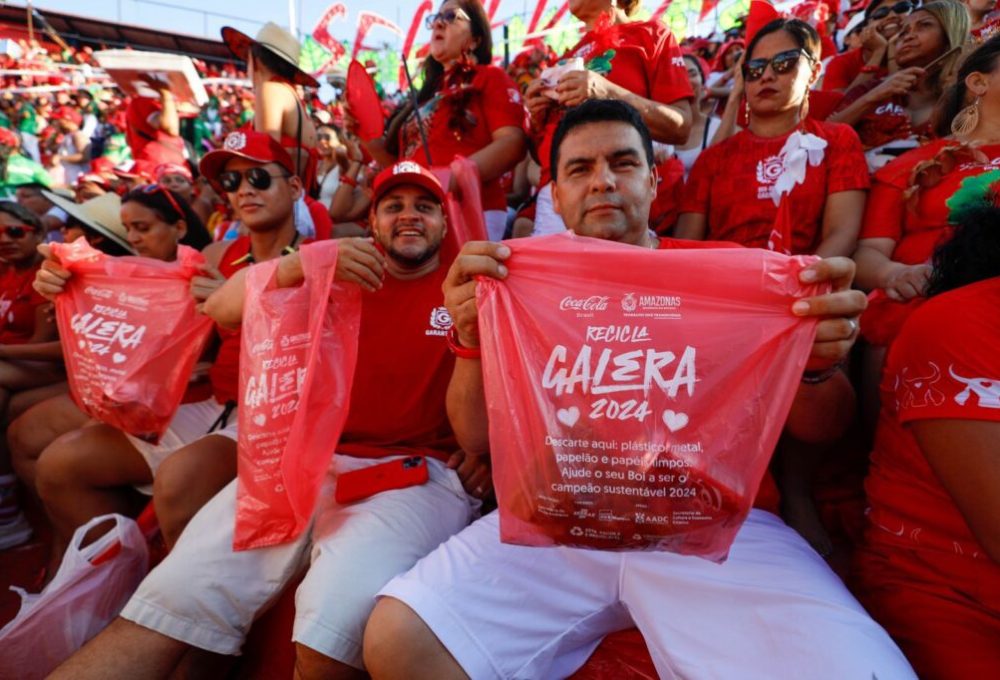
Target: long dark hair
197	235
273	63
972	254
984	59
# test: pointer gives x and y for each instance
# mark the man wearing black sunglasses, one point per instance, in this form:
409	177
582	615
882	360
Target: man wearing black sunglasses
883	25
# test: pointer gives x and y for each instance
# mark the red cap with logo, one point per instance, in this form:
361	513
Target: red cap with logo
68	114
253	146
407	172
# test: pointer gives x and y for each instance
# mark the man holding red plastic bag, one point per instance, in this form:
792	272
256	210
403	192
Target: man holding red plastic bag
396	495
485	608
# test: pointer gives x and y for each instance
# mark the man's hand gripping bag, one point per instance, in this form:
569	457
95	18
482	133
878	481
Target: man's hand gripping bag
130	335
297	357
635	396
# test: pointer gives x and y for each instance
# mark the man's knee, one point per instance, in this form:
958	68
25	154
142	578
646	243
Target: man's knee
397	640
311	664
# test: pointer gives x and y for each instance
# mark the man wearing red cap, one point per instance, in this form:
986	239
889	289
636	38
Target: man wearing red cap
72	152
205	595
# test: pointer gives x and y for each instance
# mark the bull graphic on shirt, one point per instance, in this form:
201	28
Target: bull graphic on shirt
919	389
987	390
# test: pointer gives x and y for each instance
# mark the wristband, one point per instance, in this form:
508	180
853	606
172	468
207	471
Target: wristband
818	377
870	68
458	349
349	181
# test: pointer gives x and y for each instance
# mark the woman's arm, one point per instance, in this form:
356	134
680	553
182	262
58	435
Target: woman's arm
965	456
170	122
897	85
876	269
503	153
841	223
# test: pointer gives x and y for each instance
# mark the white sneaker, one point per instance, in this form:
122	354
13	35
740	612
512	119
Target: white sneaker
15	532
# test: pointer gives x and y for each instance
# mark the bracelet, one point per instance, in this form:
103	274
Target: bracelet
817	377
458	349
870	68
349	181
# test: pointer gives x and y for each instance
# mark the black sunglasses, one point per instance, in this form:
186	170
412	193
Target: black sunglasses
258	177
783	62
14	232
898	8
449	17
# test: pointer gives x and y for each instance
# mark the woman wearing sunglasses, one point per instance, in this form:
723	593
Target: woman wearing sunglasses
467	107
29	350
893	114
792	184
929	567
883	24
635	61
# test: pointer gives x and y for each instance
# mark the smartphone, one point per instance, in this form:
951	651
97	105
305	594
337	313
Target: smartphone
395	474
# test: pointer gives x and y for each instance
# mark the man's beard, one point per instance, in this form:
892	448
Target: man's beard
413	261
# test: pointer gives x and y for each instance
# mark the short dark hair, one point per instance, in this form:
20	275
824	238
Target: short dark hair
21	214
599	111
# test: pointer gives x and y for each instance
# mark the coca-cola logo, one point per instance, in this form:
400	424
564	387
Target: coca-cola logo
594	303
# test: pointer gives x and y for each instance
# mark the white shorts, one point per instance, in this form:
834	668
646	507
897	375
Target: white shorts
207	595
774	609
191	423
547	220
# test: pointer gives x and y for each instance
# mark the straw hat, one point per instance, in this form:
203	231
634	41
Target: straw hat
275	40
102	214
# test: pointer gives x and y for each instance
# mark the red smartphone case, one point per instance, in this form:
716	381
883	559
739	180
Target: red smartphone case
395	474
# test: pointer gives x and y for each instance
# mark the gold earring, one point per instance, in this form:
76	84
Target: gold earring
966	121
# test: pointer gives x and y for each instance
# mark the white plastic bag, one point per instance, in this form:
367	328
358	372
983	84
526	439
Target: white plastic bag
89	590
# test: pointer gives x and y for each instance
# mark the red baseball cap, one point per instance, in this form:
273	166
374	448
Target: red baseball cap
8	138
253	146
173	169
406	172
68	113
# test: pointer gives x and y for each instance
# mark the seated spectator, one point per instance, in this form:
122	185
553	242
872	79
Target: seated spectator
89	185
893	114
98	220
984	22
97	469
772	608
25	324
332	161
907	214
73	153
703	126
178	178
929	568
397	408
17	169
883	23
53	217
719	82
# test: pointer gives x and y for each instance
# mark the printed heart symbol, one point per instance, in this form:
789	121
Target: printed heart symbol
675	421
259	420
118	357
568	416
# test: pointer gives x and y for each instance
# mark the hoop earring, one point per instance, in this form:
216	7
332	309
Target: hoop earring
966	121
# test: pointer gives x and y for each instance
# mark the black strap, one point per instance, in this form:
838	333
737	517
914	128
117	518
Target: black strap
704	133
223	420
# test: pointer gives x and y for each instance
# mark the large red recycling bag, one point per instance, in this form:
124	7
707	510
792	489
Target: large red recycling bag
635	396
130	335
298	350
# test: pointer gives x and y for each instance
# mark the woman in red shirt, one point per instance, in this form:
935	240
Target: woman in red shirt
893	114
792	184
929	567
25	324
907	215
742	189
467	107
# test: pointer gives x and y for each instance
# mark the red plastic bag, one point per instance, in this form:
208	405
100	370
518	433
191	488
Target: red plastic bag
635	396
298	350
130	335
464	206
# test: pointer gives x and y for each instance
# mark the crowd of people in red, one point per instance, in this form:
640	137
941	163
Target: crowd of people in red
869	137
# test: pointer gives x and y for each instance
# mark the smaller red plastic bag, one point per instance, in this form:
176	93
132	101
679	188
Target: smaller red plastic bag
464	206
635	397
298	350
130	335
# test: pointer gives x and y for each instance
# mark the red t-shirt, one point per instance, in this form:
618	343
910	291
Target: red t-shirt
917	230
148	143
402	375
646	62
18	304
945	364
729	184
495	103
768	497
843	69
